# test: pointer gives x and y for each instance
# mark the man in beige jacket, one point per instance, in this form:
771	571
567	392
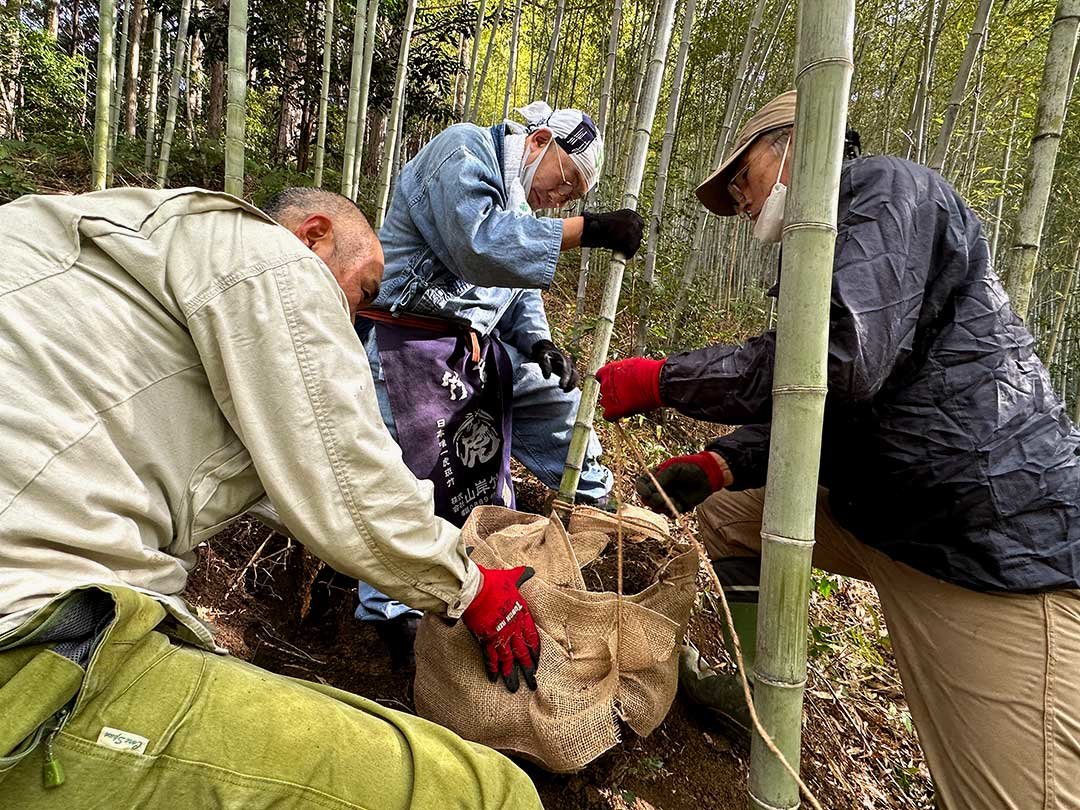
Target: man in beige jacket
168	359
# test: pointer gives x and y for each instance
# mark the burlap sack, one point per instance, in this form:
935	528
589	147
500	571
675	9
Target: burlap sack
588	675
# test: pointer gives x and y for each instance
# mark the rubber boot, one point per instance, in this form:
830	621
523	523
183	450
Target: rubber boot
721	693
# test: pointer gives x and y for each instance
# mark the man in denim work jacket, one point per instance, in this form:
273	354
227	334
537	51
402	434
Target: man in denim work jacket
463	245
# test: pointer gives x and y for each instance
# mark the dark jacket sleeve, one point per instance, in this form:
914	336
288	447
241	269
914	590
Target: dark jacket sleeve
746	451
889	237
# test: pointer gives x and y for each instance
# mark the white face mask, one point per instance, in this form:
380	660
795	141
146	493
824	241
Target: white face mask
769	226
528	170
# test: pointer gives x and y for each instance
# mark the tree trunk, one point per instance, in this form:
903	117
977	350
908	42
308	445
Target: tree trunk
51	18
511	62
605	322
635	93
179	49
152	99
118	90
601	123
1062	308
649	275
480	12
76	31
978	28
103	95
324	91
823	76
215	106
236	114
348	165
553	46
392	132
459	80
487	59
131	101
365	91
1044	148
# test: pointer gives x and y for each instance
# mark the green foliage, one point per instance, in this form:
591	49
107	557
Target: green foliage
52	82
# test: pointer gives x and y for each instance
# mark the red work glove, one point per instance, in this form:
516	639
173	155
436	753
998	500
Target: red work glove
500	619
629	386
687	480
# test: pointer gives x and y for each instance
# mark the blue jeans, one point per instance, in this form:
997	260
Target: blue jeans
542	426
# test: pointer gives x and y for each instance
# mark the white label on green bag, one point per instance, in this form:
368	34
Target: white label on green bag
122	740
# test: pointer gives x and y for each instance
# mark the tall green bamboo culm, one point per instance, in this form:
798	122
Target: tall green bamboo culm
103	94
152	101
392	130
495	23
236	113
481	10
511	61
1043	156
167	132
365	88
324	91
120	63
609	303
823	78
348	163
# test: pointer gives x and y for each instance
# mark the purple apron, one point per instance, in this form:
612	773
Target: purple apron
453	415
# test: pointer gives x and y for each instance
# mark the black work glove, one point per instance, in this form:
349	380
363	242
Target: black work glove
552	359
619	231
687	480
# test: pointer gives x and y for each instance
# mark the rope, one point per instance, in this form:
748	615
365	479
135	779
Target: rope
626	440
619	456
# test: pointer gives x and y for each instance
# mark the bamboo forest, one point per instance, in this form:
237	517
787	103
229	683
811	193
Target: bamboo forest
873	467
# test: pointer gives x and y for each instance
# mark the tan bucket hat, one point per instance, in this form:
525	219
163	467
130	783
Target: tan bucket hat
713	193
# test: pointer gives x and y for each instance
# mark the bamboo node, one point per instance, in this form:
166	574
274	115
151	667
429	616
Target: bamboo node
759	678
766	806
782	390
786	541
824	62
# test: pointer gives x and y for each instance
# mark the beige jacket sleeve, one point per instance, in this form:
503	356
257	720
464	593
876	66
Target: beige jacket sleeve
291	376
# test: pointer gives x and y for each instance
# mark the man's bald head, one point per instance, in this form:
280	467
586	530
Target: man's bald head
338	233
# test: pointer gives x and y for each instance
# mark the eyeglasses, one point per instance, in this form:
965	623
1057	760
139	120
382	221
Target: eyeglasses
742	201
566	188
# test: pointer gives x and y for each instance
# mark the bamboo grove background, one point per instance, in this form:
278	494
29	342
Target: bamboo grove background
169	100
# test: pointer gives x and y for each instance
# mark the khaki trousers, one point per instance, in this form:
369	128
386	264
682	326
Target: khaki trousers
992	679
159	724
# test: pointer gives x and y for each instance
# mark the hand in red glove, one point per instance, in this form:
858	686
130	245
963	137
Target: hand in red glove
687	480
500	619
629	386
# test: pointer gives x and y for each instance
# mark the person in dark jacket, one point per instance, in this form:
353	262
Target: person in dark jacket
950	473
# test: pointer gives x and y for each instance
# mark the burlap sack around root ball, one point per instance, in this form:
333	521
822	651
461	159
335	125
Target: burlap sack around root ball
588	677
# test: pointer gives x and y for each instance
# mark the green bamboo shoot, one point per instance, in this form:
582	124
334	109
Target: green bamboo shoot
823	77
179	49
152	100
324	91
236	113
103	100
650	96
392	131
1043	157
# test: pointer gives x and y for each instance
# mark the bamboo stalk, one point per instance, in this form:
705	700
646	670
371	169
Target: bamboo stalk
512	61
236	112
348	164
648	278
487	59
324	91
365	88
118	89
601	124
103	95
823	77
480	12
1062	308
174	93
735	94
999	205
152	101
1043	157
556	27
395	117
610	301
975	37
